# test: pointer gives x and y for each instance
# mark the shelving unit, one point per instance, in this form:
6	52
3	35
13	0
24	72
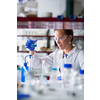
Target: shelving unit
36	51
44	36
34	36
50	19
49	23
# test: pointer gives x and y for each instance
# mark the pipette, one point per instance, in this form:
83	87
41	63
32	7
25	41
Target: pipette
43	68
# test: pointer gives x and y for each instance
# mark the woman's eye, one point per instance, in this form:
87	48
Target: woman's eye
60	38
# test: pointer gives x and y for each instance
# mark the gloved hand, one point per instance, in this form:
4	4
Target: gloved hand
29	44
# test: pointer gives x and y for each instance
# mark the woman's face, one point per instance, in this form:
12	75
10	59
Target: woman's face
61	39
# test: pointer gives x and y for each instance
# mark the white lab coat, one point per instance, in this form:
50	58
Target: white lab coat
55	59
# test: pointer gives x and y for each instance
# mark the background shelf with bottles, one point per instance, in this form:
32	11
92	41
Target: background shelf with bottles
44	37
49	23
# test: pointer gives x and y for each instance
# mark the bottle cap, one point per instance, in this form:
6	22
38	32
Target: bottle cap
68	65
72	17
44	76
18	68
20	0
60	17
53	68
81	71
25	64
59	78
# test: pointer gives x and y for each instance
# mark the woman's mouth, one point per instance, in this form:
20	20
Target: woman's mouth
59	45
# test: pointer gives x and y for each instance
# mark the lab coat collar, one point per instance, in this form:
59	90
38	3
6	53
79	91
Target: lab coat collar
70	53
73	50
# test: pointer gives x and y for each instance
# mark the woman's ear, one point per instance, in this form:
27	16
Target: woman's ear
70	38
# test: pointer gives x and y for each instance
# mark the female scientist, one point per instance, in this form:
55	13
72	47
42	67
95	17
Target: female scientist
64	40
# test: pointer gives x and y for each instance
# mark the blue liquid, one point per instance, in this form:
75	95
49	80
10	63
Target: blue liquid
33	45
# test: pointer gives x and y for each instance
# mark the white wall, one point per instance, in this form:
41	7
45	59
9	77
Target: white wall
57	7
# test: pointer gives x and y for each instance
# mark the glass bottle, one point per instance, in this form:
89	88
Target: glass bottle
67	73
81	79
53	76
20	9
31	8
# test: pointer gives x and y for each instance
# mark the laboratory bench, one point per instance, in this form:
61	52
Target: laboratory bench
55	94
49	91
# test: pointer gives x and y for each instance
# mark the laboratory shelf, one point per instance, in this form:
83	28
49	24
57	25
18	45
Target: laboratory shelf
25	19
34	36
78	36
35	51
49	23
44	36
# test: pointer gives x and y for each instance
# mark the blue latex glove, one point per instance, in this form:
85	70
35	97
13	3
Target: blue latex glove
29	44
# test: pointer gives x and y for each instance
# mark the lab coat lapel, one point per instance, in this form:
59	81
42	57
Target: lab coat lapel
72	51
59	57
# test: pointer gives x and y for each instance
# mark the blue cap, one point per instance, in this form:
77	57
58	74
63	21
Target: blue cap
20	0
53	68
72	17
81	71
59	78
18	68
60	17
44	76
68	65
65	55
25	64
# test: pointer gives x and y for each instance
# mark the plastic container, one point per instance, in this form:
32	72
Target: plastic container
77	81
18	74
81	75
23	70
53	76
43	80
80	80
20	9
40	87
31	8
67	72
46	14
